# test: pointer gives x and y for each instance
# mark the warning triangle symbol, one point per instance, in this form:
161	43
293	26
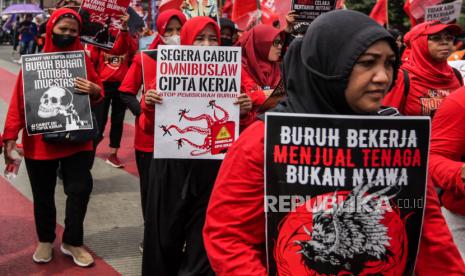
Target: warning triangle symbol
223	134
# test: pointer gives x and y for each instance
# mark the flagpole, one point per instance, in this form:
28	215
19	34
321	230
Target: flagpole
387	14
259	17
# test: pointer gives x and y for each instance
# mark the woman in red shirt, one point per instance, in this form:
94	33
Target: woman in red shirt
169	24
179	191
42	158
261	52
353	81
430	78
446	164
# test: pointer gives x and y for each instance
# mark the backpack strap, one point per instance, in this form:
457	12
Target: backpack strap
458	75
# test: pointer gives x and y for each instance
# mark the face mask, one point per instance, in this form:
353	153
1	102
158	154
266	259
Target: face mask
226	42
63	41
172	40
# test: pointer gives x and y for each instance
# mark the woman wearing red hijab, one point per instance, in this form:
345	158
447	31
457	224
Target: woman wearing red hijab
261	52
430	78
180	189
169	24
42	158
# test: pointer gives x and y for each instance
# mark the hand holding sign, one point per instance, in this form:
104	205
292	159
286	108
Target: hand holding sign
245	104
87	87
124	18
152	97
290	21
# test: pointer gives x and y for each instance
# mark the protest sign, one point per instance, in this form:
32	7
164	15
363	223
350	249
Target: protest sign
445	13
199	85
194	8
51	102
102	21
344	195
308	10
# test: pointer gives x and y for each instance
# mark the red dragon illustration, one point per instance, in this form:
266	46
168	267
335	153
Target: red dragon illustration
210	120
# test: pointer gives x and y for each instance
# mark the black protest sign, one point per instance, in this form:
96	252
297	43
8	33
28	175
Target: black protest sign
101	20
51	102
308	10
344	194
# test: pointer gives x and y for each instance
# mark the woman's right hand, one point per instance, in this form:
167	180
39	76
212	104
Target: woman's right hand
152	97
10	146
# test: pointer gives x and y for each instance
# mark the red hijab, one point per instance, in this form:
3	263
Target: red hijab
194	26
420	63
256	45
162	22
54	18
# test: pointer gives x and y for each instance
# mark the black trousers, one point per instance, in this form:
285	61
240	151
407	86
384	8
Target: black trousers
77	184
118	110
177	201
143	161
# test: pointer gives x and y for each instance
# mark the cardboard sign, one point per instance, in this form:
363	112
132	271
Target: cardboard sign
102	21
199	86
51	102
344	195
308	10
445	13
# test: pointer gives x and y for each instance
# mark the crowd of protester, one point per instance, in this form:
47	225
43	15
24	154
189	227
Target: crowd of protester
206	217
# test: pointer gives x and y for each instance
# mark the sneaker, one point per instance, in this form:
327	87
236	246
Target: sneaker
43	253
114	161
80	256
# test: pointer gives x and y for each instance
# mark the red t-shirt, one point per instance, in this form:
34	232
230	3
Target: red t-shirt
448	150
422	99
234	231
131	85
113	65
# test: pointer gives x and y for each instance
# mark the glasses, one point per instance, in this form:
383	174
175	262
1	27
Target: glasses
441	37
277	42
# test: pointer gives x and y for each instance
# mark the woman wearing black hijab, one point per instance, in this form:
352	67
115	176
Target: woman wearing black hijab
344	65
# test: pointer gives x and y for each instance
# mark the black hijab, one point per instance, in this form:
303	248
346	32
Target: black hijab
317	67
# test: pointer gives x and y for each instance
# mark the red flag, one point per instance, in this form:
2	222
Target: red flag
170	4
244	13
379	13
340	4
227	8
243	8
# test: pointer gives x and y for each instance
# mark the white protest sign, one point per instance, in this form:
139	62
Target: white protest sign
445	12
199	85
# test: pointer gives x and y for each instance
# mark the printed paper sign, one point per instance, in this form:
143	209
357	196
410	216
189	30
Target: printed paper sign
308	10
194	8
344	195
102	21
51	102
199	85
445	13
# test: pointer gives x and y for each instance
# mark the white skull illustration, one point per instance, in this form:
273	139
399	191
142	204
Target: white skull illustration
53	101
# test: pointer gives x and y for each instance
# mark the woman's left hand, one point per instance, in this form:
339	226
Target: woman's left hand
245	104
87	87
124	21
